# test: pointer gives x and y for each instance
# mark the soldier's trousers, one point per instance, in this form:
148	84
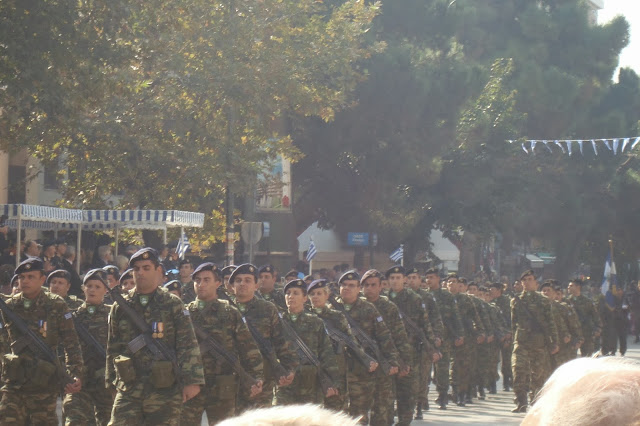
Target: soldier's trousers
339	402
218	407
87	407
382	410
360	401
505	356
264	400
304	389
441	371
588	347
144	405
461	367
530	364
424	377
494	359
406	389
28	408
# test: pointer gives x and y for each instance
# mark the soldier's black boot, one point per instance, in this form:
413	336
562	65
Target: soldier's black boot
506	384
467	395
461	399
492	388
443	399
481	394
521	406
418	412
425	405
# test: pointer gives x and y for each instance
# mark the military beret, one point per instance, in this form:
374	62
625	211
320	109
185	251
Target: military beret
371	273
206	266
185	261
471	283
95	274
173	286
577	281
59	273
349	275
227	270
266	268
558	287
292	273
126	275
30	264
527	273
146	253
397	269
412	270
483	289
112	270
321	283
295	284
452	275
245	268
462	280
545	284
14	279
499	286
432	271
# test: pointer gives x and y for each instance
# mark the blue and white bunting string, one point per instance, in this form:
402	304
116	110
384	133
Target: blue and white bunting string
615	145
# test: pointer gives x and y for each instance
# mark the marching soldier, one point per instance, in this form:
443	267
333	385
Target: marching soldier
480	363
568	351
226	273
502	334
151	389
94	402
30	383
587	316
223	323
59	282
503	302
564	337
126	281
266	287
185	271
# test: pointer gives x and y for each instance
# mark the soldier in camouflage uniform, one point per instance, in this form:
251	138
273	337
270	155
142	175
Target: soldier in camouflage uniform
30	384
126	281
382	411
319	295
94	402
503	302
185	271
266	287
535	339
481	363
412	309
587	316
502	333
453	333
308	386
568	351
151	391
366	316
564	337
263	316
474	334
414	282
222	323
59	282
226	273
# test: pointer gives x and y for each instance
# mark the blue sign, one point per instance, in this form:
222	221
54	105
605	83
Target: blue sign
266	229
358	238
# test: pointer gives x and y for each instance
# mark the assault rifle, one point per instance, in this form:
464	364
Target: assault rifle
343	339
417	332
84	334
34	341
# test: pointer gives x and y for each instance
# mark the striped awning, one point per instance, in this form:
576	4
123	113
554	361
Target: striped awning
40	217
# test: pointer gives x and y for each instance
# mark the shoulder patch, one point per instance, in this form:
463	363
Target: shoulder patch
379	319
185	312
68	315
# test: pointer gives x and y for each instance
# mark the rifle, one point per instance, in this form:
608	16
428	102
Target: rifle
325	379
265	346
362	337
84	334
210	345
536	326
416	331
158	349
34	341
343	339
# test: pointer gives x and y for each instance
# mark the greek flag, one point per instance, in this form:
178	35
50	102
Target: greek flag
397	254
183	246
610	282
311	252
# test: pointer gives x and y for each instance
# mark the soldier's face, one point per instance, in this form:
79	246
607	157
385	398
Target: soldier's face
494	292
529	283
574	289
244	285
349	290
128	284
59	286
414	281
318	297
111	281
472	290
30	283
433	281
547	292
266	281
371	287
185	272
206	285
94	291
396	282
558	295
453	285
295	299
147	276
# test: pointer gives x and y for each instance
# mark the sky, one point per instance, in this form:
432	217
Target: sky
630	9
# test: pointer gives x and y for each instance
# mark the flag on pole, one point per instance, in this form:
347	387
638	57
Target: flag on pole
610	282
397	254
311	252
183	245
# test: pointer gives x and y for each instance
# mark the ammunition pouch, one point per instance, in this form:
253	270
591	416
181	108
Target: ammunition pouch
162	375
13	371
308	377
225	387
125	370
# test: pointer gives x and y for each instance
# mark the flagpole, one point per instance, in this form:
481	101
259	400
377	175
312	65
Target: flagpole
310	261
402	258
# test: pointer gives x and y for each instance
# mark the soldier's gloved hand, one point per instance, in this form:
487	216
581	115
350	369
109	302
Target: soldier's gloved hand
404	372
73	387
459	341
554	349
189	392
286	380
480	338
373	366
256	389
438	342
437	356
331	392
393	370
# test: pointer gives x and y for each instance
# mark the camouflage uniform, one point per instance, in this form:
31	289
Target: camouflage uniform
277	298
138	399
382	411
188	292
563	332
589	319
360	380
462	355
503	302
480	363
263	316
567	350
223	323
411	305
306	387
532	340
500	330
453	329
94	402
424	376
25	399
73	302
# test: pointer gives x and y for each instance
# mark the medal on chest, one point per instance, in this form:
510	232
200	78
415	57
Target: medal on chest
42	325
158	329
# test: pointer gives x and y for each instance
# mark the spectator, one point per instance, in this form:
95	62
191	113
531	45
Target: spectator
31	249
105	257
67	263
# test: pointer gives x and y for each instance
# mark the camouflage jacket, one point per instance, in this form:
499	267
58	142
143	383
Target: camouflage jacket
224	324
500	329
337	320
48	316
433	311
450	314
556	313
471	320
482	309
73	302
263	316
587	315
276	297
188	292
411	306
171	324
95	319
570	319
503	302
532	321
392	319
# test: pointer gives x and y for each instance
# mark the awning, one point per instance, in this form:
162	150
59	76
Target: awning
40	217
141	219
535	261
